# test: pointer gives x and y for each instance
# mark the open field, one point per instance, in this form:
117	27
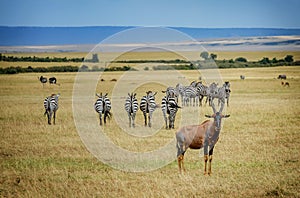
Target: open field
257	154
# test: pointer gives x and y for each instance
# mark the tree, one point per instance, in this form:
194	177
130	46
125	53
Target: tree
95	58
213	56
241	59
204	55
289	58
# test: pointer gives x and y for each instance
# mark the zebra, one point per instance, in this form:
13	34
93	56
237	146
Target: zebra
180	89
242	77
172	90
169	106
226	85
148	105
218	92
202	91
190	93
51	106
103	106
131	107
211	91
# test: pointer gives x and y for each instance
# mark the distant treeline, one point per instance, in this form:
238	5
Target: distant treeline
177	64
38	59
84	68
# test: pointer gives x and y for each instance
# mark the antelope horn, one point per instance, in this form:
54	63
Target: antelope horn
222	106
213	107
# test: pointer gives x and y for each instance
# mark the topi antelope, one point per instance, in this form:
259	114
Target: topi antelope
204	136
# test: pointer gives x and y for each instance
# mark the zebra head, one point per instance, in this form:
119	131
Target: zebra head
132	96
217	116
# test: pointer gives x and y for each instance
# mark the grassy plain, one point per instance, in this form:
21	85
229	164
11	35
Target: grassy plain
257	154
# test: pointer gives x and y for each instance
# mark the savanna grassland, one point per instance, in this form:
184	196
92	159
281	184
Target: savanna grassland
257	154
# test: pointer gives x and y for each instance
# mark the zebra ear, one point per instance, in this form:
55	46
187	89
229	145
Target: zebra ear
154	93
134	95
98	95
129	94
58	95
105	94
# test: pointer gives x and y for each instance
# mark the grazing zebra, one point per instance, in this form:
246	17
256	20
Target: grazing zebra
43	80
103	106
148	105
51	106
242	77
169	106
131	107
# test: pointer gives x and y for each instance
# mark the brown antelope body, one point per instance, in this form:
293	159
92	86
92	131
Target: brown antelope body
204	136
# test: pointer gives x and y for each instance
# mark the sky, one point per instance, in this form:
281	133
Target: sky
152	13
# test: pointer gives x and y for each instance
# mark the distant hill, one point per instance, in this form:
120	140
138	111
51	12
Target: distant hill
38	36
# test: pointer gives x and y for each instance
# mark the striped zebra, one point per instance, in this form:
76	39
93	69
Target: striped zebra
169	106
180	89
172	91
202	91
51	106
190	93
103	106
131	107
227	91
212	90
148	105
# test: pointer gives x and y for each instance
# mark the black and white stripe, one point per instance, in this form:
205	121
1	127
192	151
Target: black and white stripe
131	107
190	93
103	106
148	105
51	106
172	91
169	106
226	85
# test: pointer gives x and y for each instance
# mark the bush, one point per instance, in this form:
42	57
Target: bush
241	59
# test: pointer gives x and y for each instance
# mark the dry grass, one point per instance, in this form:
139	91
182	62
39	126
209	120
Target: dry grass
257	154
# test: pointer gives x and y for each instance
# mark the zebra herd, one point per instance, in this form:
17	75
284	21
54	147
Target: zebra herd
192	94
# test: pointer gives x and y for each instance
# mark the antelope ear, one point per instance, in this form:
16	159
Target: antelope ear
226	116
163	91
208	116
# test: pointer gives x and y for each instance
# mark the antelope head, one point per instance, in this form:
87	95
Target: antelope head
217	116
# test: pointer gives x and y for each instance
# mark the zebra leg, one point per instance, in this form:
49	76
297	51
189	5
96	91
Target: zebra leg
49	117
129	117
228	102
100	118
54	115
165	117
150	119
133	118
145	118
